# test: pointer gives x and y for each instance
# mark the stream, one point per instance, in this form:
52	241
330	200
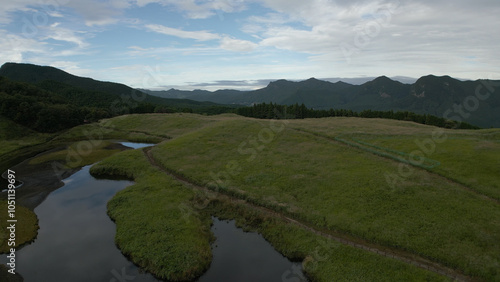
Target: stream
75	242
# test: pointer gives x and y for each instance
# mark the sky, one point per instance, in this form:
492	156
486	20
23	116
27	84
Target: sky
237	44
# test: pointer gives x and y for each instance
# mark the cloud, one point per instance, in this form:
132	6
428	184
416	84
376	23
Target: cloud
242	85
197	35
55	14
93	12
316	27
71	67
199	9
97	13
237	45
307	41
13	48
391	33
12	6
56	32
226	42
270	38
249	84
138	48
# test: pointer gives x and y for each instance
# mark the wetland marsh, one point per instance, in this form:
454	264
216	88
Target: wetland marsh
320	202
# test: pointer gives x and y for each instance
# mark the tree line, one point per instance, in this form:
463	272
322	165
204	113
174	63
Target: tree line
53	106
296	111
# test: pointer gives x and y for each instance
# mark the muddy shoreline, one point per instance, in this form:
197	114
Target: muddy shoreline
40	180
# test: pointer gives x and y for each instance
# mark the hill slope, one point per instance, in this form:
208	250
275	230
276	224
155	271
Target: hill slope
86	91
342	176
47	99
439	96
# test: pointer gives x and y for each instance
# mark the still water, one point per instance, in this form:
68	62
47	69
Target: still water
247	257
75	242
136	145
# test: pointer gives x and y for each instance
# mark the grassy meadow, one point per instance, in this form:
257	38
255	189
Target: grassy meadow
180	237
78	154
18	142
26	227
13	136
156	226
342	188
174	125
469	157
323	259
473	160
353	177
297	168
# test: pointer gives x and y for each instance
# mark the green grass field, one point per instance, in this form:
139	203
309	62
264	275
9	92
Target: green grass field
156	227
158	124
26	227
335	186
184	229
323	259
296	167
78	154
17	141
360	178
473	160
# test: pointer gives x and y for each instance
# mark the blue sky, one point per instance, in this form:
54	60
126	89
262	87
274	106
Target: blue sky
189	44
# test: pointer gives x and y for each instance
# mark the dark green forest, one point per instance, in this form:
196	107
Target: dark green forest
51	106
47	99
296	111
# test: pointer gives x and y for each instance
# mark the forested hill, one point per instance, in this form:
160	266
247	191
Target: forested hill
296	111
39	74
473	102
476	102
101	92
39	109
47	99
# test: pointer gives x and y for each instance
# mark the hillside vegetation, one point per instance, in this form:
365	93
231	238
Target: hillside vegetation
411	190
46	99
296	111
475	102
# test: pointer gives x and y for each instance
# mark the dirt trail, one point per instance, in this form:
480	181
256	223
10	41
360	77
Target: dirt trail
339	237
448	179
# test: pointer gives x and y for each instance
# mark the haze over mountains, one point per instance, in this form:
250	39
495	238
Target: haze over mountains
475	102
440	96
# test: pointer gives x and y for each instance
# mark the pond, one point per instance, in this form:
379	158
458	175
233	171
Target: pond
242	256
135	145
75	242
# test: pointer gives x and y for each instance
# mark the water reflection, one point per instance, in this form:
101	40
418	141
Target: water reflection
242	256
76	237
136	145
75	242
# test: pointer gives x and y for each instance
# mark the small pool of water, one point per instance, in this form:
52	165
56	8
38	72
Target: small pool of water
247	257
136	145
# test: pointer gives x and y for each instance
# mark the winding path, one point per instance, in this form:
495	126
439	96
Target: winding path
429	170
393	253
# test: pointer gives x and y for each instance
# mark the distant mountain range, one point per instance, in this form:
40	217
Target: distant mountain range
439	96
475	102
